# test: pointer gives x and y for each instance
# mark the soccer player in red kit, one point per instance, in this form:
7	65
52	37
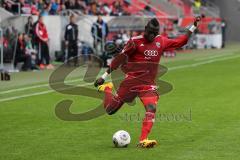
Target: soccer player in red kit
139	60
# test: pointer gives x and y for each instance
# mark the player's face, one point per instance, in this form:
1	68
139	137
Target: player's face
150	34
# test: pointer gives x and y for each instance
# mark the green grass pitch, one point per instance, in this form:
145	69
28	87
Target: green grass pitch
199	117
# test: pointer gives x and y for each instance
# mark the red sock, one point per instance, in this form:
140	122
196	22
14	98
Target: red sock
108	96
111	103
147	125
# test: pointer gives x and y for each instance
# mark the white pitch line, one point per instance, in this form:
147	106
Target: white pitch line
26	95
213	57
202	63
76	80
172	68
24	88
40	93
35	86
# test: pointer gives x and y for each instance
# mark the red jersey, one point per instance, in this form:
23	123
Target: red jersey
140	59
41	32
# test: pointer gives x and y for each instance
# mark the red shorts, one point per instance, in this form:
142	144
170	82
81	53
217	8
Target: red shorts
147	93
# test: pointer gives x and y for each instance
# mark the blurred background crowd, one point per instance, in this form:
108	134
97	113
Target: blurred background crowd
88	27
53	7
90	7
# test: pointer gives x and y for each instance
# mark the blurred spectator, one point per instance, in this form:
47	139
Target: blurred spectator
71	4
86	51
93	8
117	8
197	6
35	7
223	27
54	7
148	11
71	39
46	9
122	37
106	9
40	5
25	7
30	51
21	56
42	41
99	32
29	27
213	27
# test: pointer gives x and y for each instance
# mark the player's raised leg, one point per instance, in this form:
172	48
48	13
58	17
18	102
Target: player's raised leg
111	103
149	100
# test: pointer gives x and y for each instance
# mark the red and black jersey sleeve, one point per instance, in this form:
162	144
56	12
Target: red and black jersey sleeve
170	44
122	57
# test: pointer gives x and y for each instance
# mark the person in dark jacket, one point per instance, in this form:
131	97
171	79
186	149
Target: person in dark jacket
99	33
223	26
21	55
29	27
71	39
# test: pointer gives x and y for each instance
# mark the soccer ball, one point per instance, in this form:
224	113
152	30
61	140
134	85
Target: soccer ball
121	138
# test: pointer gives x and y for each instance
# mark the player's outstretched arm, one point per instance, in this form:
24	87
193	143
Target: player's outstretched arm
117	61
194	26
180	41
101	80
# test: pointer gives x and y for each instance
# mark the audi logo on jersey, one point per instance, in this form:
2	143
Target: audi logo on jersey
151	53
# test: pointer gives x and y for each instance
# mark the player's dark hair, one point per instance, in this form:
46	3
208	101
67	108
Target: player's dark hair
154	22
153	25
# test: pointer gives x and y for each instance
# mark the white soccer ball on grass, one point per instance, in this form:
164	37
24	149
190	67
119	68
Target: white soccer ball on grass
121	139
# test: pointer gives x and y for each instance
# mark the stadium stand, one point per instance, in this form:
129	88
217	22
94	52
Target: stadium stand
125	18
